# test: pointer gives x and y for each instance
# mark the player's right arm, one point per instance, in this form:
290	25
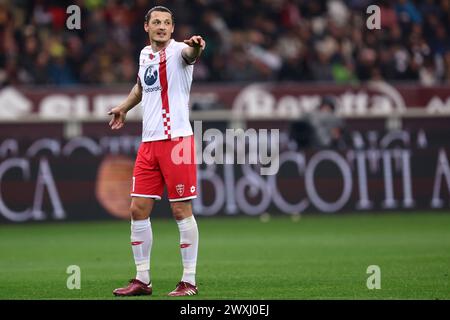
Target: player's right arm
119	113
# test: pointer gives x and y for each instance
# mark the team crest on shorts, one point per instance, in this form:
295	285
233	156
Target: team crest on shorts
180	189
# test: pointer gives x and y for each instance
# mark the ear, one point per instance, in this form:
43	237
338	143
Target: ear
146	27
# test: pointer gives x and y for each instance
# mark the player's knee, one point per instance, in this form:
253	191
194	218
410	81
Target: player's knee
138	211
181	210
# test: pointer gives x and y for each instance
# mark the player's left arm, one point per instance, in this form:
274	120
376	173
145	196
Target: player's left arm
196	46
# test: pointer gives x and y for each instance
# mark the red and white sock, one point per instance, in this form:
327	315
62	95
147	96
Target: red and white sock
189	247
141	244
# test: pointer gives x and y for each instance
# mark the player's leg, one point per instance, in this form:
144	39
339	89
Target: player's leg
147	186
141	236
187	226
181	184
141	245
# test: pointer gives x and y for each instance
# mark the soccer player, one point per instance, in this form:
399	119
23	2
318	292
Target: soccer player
163	84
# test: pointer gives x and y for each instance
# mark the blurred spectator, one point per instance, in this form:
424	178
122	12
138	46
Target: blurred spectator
267	40
319	129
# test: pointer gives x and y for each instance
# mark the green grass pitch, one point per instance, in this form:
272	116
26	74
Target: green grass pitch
317	257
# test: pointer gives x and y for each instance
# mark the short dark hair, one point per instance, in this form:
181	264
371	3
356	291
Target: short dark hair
161	9
328	101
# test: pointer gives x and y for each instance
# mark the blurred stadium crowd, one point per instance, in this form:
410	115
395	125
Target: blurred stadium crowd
267	40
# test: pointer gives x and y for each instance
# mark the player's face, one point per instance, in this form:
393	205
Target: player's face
159	27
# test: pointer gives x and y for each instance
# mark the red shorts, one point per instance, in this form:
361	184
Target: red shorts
166	162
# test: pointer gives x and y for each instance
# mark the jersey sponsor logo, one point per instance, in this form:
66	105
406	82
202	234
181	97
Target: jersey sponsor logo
150	76
180	189
153	89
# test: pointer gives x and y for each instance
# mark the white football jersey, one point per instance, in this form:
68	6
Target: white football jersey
166	81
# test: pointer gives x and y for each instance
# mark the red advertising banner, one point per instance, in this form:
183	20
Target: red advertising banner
86	178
